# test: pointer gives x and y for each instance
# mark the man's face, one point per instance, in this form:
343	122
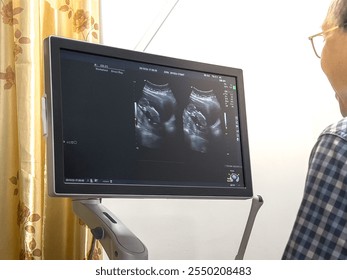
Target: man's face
334	64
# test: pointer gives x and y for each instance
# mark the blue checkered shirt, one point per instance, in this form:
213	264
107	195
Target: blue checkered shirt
320	229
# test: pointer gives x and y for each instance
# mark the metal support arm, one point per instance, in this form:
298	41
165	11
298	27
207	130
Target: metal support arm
257	202
118	241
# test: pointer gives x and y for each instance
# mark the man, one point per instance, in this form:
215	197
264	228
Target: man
320	229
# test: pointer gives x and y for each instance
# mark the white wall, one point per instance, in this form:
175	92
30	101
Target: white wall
289	102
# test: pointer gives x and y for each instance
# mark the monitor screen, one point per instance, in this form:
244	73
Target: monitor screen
122	123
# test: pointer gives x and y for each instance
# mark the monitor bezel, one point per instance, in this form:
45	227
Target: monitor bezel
53	118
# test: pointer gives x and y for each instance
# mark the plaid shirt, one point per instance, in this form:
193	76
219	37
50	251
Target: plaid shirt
320	229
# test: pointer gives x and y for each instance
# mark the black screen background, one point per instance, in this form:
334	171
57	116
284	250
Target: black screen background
99	136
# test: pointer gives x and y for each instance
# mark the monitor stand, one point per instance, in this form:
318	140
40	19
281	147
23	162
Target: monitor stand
257	202
118	241
121	244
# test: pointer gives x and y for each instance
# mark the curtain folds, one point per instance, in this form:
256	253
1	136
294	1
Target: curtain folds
35	226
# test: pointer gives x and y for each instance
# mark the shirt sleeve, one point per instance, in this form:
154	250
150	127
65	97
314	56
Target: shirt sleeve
320	229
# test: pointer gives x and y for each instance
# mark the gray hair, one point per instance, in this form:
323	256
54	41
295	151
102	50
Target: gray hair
337	14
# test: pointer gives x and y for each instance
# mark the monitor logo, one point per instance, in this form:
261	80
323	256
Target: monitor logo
233	178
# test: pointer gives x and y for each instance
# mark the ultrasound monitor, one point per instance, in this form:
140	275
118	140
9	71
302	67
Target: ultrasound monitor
121	123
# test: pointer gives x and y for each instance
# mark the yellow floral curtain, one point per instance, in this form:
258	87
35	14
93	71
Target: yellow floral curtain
33	225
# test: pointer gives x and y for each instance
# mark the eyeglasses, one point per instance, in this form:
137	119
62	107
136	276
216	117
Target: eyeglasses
318	41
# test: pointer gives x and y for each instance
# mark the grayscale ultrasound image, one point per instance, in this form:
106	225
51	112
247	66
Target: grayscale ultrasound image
201	122
159	129
155	115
